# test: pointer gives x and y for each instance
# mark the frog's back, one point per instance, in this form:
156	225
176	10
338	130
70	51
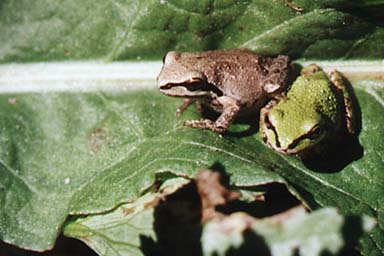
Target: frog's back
217	60
241	74
314	92
233	71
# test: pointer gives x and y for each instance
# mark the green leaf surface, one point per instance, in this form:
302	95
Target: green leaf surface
83	152
117	232
127	230
293	233
115	29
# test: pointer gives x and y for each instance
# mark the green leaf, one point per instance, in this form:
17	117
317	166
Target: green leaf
117	232
56	30
83	152
291	233
70	153
127	230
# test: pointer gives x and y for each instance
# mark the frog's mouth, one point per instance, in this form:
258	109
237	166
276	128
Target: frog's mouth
193	88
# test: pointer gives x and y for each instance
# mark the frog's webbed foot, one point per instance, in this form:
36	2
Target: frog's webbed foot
342	85
230	110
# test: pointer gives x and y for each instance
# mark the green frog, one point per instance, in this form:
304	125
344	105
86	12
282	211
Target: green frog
316	108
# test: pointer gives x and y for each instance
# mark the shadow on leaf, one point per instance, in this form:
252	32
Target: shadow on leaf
276	199
177	225
178	217
335	157
253	245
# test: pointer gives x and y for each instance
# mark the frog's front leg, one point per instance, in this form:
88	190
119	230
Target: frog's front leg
186	103
230	108
183	106
342	85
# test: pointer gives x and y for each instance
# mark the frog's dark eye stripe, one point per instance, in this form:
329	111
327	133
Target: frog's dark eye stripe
194	86
270	126
203	87
315	132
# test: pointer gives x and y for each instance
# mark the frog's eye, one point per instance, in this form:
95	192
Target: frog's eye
315	132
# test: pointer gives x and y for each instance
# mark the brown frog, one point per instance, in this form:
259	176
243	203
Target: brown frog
234	83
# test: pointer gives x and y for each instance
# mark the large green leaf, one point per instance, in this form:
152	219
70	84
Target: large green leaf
116	29
82	153
86	152
292	233
117	232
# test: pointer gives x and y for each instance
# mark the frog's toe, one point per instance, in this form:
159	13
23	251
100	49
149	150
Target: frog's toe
311	69
205	124
201	123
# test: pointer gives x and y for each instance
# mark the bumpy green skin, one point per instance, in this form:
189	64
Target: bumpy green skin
289	126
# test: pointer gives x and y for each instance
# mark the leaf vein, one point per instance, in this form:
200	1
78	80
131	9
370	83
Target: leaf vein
216	149
377	244
134	128
373	93
177	8
126	33
14	173
147	165
287	23
324	183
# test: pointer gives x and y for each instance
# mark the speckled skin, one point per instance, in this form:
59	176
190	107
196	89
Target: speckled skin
231	82
312	112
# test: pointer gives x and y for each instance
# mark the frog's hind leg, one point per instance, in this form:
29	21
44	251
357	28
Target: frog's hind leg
279	72
310	69
342	85
293	6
